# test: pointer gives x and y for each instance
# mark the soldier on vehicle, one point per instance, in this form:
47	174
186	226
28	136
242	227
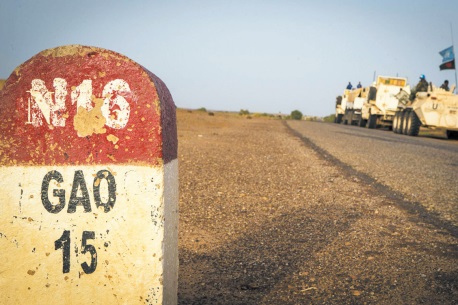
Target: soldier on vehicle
339	100
349	86
445	86
359	85
422	86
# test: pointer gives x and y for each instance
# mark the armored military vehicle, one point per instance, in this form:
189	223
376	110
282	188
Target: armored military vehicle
348	106
381	104
436	108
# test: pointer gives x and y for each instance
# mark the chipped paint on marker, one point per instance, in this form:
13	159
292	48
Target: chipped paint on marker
88	122
135	103
115	108
112	138
58	109
51	109
43	100
82	95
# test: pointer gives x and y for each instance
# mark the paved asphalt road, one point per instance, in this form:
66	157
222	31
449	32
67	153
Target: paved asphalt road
294	212
420	173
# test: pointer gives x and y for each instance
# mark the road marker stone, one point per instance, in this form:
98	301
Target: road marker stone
88	182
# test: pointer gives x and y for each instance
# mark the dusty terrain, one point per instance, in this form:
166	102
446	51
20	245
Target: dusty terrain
265	218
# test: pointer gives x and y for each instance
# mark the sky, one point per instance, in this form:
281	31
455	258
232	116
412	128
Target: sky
262	56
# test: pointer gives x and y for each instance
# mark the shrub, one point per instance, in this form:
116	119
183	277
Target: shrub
202	109
296	115
329	118
264	114
244	112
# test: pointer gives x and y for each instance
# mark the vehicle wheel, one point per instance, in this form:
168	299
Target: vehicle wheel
339	118
362	122
401	122
396	123
372	122
413	124
452	134
406	122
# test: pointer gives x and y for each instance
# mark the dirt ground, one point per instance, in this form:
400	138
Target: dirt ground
266	219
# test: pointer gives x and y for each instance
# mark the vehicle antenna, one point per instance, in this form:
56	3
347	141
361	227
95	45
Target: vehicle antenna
453	47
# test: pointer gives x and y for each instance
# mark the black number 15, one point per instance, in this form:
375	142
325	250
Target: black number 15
64	243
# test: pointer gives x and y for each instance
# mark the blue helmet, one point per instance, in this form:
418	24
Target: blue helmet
422	76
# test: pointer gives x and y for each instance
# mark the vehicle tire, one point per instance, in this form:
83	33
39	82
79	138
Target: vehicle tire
405	122
401	122
372	122
396	122
339	118
413	125
362	122
452	134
